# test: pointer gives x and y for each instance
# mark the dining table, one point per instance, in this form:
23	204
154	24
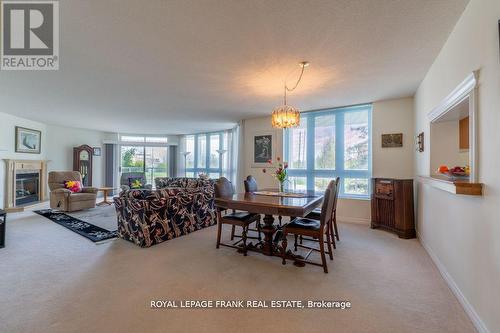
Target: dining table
270	203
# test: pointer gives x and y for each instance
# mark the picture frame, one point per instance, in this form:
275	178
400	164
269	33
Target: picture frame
28	140
393	140
263	148
96	151
420	142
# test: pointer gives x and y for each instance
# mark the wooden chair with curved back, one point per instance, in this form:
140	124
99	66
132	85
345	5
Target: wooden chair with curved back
224	189
251	186
303	226
332	227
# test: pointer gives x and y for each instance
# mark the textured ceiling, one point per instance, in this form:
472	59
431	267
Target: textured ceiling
162	66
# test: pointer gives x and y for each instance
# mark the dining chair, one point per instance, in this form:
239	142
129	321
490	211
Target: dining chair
332	228
303	226
251	186
224	189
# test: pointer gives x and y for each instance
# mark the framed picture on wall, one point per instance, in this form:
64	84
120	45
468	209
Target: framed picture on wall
263	149
96	151
392	140
28	140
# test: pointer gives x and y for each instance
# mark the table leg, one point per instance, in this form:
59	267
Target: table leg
268	229
105	201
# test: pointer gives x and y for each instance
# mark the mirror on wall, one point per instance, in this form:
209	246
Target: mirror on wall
453	135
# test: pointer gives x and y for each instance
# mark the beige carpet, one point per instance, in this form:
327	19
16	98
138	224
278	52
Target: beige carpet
53	280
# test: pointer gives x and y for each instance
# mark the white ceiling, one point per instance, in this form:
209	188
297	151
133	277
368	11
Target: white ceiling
173	67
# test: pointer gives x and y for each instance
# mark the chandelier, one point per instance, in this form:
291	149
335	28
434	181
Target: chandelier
286	116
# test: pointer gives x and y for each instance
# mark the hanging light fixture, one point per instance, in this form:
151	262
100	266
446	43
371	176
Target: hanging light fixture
286	116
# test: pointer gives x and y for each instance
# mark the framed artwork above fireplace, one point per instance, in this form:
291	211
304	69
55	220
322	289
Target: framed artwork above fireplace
28	140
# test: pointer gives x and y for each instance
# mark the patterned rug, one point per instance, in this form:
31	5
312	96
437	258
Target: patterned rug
94	233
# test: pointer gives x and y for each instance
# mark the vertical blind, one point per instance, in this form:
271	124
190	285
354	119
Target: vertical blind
331	143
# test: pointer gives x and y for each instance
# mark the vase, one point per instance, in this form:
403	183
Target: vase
282	186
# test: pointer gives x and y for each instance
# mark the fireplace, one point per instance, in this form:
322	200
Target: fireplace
25	184
27	187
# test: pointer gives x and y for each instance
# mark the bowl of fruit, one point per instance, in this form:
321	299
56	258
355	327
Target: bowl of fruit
455	172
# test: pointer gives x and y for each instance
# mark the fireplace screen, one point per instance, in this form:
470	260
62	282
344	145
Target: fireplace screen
27	188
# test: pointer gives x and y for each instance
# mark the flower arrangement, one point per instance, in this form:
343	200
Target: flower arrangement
280	172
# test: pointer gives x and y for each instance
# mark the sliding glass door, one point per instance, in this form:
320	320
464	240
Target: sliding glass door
153	161
156	163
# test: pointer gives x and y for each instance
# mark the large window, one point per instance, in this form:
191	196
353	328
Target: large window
204	154
144	153
331	143
141	158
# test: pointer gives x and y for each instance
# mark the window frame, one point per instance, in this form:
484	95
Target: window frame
207	169
310	173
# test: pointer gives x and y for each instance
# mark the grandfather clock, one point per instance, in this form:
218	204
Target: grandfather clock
82	161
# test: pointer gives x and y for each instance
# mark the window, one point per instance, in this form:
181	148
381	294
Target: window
328	144
141	138
140	158
204	154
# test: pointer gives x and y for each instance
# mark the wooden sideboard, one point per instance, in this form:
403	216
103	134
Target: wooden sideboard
392	206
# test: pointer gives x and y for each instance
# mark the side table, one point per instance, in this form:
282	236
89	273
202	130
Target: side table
105	192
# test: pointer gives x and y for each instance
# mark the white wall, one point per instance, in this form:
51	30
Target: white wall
7	145
390	116
57	147
60	144
462	232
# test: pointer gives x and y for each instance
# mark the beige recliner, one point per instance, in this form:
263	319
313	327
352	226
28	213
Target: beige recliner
65	200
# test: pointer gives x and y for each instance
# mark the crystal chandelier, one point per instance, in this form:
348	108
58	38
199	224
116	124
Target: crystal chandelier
286	116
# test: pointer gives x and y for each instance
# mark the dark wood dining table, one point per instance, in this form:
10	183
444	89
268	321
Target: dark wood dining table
270	206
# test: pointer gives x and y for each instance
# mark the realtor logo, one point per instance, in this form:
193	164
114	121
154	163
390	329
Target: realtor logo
30	35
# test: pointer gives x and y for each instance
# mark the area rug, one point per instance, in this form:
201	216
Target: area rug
88	230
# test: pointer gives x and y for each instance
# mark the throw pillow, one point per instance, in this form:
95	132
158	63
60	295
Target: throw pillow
135	182
74	186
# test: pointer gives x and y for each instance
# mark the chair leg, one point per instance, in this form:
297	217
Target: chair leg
295	243
323	257
258	229
332	235
284	244
219	231
336	230
300	239
233	228
329	242
244	238
279	219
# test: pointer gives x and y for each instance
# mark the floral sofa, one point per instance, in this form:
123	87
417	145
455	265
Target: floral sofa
183	182
148	217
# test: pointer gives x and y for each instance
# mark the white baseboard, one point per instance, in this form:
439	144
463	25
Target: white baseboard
357	220
474	317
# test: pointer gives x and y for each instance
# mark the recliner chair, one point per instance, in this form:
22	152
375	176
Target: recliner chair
63	199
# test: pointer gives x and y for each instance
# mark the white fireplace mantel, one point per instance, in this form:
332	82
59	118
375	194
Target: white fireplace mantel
15	166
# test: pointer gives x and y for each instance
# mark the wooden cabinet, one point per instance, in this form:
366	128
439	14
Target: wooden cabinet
463	133
392	206
82	161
